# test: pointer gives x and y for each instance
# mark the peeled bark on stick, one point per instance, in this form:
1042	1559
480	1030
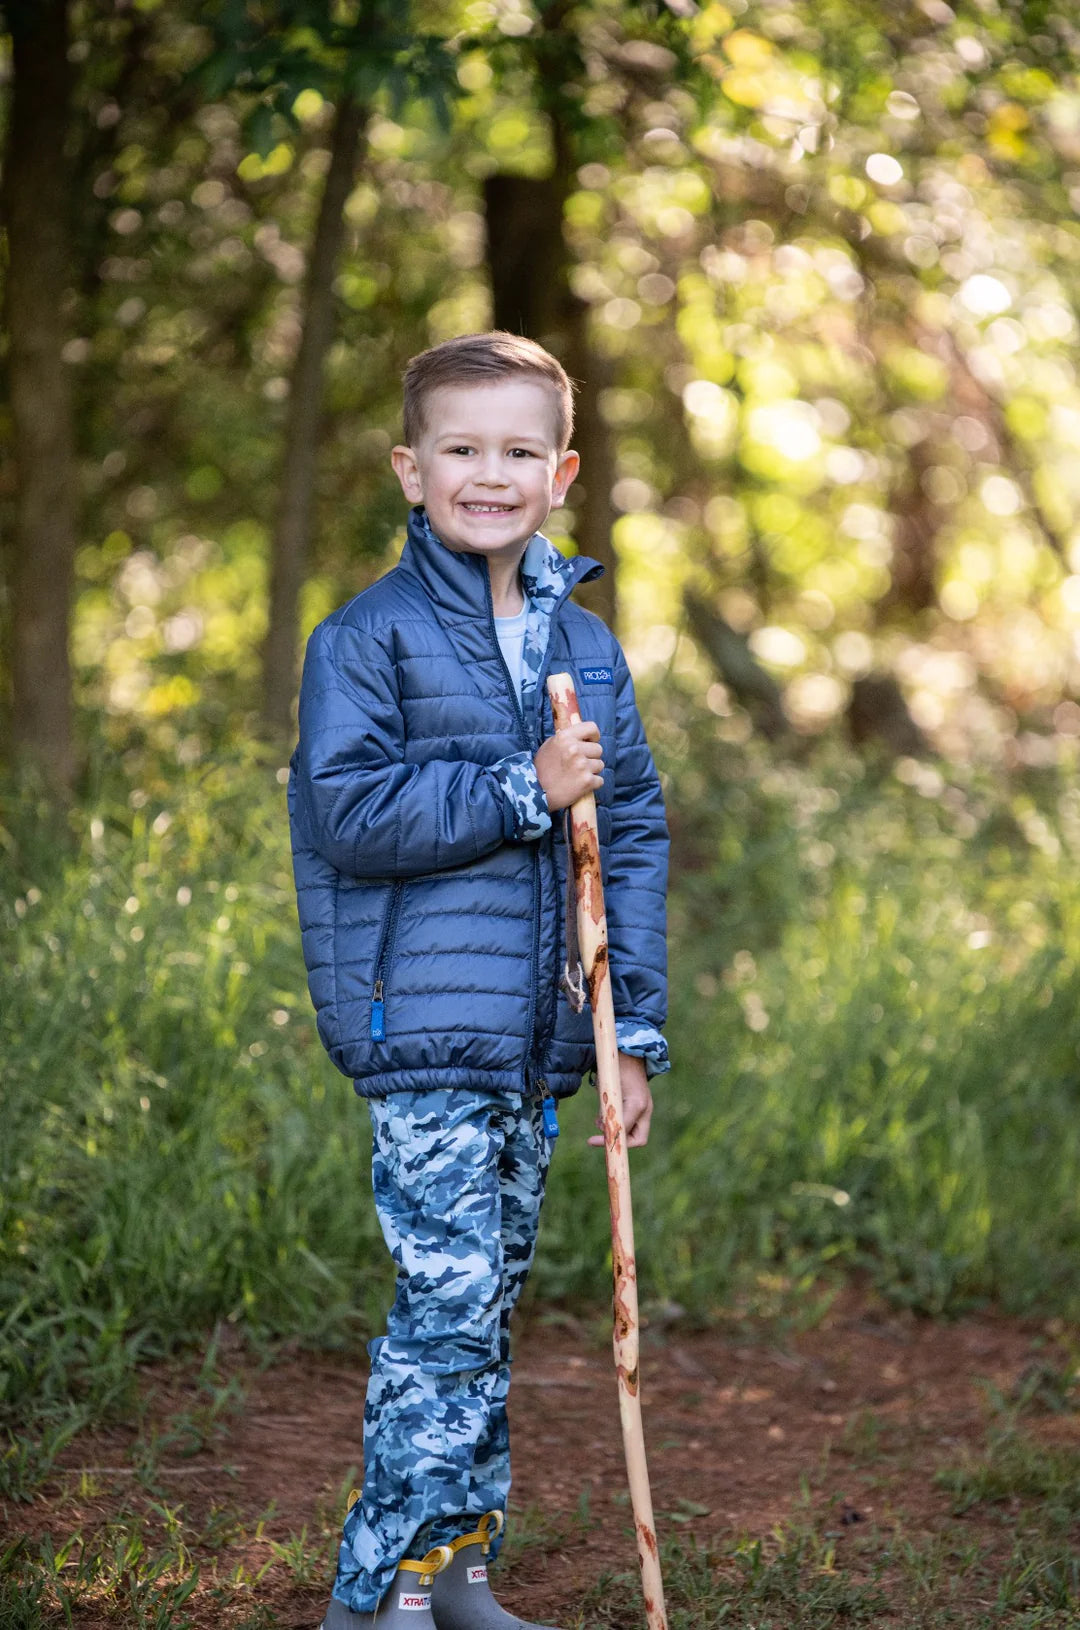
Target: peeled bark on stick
593	948
36	209
292	527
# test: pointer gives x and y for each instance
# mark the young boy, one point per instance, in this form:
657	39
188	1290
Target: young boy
430	877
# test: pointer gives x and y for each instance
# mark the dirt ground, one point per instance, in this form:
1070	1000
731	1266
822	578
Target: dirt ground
839	1425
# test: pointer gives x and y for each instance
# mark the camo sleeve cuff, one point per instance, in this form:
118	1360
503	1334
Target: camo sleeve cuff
643	1041
526	806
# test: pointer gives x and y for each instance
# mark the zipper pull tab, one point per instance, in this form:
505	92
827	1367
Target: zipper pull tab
549	1111
378	1013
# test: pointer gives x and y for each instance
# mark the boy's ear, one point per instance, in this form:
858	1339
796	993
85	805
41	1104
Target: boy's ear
407	471
565	473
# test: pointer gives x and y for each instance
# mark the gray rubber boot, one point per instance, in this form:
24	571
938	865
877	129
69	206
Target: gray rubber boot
406	1605
461	1597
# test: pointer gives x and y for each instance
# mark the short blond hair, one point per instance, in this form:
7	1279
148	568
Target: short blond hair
482	359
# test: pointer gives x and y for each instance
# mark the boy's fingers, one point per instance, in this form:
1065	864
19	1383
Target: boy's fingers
586	729
582	731
637	1129
637	1136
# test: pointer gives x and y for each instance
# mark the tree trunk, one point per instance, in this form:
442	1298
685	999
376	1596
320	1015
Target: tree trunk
916	522
292	528
531	295
730	655
879	717
36	206
595	513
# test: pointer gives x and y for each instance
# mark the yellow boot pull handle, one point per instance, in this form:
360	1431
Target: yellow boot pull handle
435	1561
489	1527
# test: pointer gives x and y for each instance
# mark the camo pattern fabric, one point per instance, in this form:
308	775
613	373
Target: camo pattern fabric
643	1042
521	788
544	574
458	1176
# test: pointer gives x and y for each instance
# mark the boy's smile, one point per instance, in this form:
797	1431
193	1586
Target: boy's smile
487	468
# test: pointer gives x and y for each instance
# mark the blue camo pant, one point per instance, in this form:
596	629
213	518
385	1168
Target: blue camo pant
458	1177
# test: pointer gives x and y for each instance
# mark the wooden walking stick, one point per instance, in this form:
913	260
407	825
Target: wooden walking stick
593	950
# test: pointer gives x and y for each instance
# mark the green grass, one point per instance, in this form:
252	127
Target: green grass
792	1581
140	1576
177	1151
795	1581
1014	1467
875	1018
146	1588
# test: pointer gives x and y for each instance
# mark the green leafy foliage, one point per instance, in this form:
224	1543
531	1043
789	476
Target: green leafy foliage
372	51
830	275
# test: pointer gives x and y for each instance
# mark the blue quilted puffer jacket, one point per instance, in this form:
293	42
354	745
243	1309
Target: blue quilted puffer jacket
430	877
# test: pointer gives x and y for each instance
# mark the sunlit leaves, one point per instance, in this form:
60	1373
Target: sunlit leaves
830	262
916	374
378	55
709	26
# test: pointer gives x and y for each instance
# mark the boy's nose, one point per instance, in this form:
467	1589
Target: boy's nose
492	473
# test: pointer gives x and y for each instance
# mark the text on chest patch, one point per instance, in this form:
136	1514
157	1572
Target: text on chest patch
596	676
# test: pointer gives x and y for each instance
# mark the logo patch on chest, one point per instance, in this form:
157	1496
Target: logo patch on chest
477	1575
596	676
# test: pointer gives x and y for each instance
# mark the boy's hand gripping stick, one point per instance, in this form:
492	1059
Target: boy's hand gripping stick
593	951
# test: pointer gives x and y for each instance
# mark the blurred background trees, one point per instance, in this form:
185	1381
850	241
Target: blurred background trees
816	269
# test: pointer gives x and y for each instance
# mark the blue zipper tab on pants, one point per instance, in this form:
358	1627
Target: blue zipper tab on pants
548	1112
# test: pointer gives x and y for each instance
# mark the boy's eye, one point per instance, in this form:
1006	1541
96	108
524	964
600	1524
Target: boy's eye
515	452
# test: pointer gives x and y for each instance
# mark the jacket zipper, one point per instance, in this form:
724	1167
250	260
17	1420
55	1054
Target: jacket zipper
525	742
383	960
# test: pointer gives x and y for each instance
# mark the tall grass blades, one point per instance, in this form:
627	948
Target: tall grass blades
177	1150
875	1022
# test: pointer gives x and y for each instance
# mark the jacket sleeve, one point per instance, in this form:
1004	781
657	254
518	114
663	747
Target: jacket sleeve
361	806
635	891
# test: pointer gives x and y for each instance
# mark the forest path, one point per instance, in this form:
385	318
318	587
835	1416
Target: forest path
835	1432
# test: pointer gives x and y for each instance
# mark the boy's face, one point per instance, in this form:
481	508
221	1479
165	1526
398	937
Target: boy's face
487	469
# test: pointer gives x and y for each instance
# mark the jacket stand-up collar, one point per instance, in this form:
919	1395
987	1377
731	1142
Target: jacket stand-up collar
457	583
